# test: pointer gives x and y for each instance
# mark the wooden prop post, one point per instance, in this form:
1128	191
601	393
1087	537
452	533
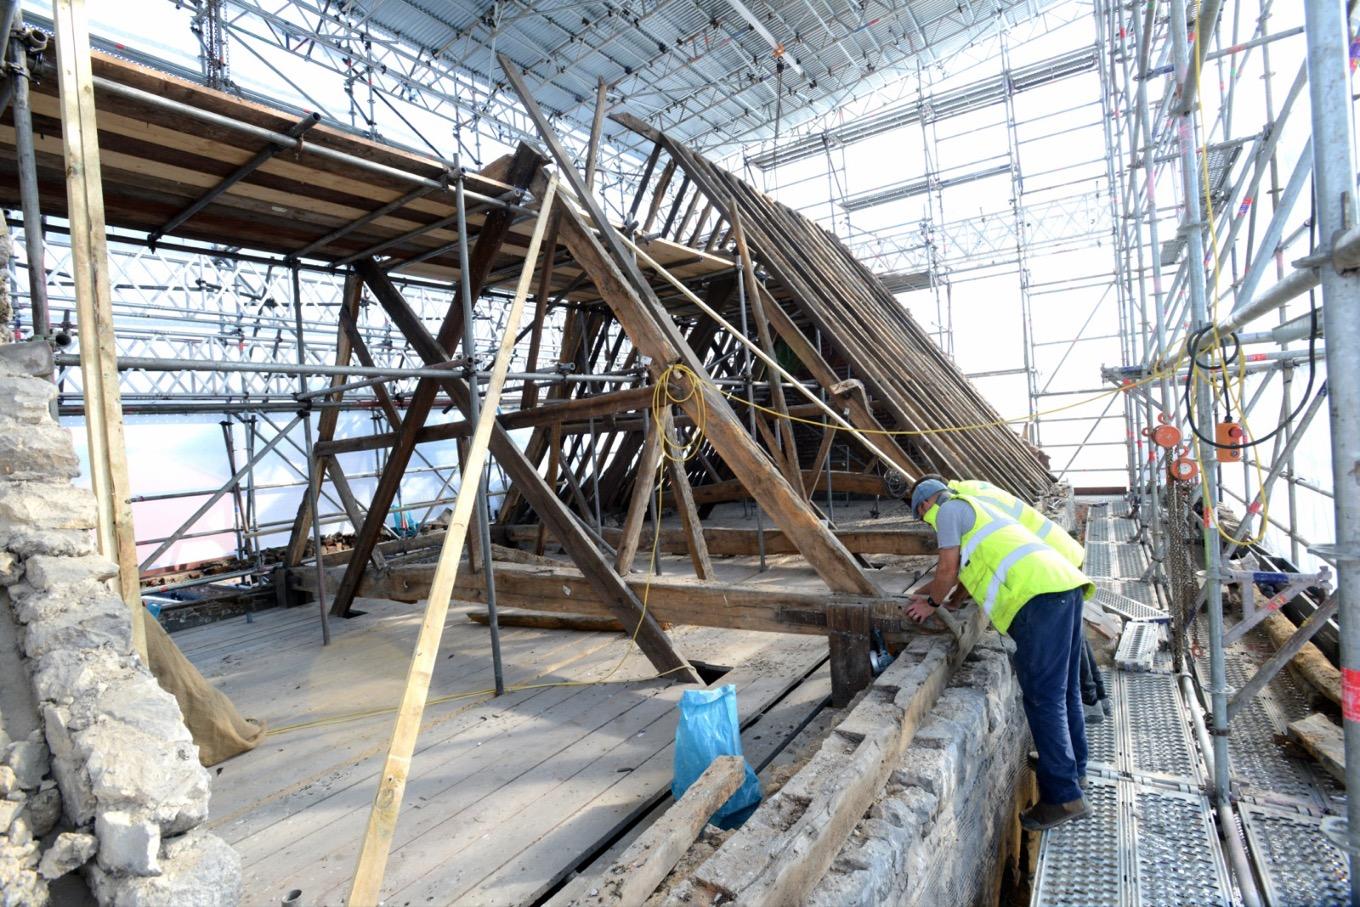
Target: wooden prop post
523	166
684	502
382	820
644	481
787	451
94	308
351	298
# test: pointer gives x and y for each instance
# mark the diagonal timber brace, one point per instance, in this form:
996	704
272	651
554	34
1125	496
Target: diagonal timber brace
523	167
724	430
616	595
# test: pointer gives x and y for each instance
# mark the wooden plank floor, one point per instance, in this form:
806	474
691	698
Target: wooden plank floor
507	796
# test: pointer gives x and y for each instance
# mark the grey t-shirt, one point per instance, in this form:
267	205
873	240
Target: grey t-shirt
954	519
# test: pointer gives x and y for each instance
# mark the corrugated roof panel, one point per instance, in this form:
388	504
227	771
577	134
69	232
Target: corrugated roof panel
424	25
568	44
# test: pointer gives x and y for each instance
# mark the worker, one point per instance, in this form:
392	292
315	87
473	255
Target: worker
1035	596
1095	701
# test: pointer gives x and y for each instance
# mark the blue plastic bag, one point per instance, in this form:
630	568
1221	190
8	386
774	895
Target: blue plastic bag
708	728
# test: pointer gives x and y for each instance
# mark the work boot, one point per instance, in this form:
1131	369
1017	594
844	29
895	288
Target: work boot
1107	706
1043	816
1094	713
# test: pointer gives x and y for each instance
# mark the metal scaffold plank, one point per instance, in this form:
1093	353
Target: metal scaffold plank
1085	863
1160	746
1297	862
1138	647
1130	562
1138	590
1122	529
1111	599
1106	740
1267	771
1098	561
1178	859
1141	846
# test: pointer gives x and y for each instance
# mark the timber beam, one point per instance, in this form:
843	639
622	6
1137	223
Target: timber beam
841	482
547	414
629	295
725	542
652	331
524	166
670	599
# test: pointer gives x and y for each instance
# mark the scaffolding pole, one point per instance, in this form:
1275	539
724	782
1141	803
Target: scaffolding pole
481	477
1218	684
1334	168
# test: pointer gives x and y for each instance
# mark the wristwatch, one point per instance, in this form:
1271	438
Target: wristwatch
930	600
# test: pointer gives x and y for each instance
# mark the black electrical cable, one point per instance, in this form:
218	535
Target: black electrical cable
1209	366
1192	347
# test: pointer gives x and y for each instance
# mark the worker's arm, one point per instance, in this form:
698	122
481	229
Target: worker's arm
946	577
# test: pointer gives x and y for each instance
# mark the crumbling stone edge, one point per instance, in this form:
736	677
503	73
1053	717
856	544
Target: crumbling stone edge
112	783
941	830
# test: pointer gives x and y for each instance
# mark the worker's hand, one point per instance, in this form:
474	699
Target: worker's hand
920	609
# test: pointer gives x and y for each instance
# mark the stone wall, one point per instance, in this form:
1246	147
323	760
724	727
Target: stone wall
938	831
113	747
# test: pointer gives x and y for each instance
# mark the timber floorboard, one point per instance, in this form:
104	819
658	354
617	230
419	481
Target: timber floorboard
768	738
507	796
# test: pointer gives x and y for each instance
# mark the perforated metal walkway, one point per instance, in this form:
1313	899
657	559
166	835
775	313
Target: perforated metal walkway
1152	836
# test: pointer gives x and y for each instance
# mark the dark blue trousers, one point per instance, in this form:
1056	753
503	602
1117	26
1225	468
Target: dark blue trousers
1092	686
1048	653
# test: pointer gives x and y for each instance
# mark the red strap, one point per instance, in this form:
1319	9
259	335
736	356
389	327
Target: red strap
1350	694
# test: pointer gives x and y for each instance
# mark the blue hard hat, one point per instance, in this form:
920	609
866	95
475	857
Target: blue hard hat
925	489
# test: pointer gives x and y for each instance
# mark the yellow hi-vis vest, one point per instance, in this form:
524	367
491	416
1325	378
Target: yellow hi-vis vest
1048	531
1003	565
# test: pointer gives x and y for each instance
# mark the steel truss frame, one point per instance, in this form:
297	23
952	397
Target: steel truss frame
1050	212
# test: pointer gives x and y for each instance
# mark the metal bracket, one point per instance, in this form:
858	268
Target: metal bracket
1316	260
1336	553
1246	580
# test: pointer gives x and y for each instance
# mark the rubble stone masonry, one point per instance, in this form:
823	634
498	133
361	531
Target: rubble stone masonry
110	782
